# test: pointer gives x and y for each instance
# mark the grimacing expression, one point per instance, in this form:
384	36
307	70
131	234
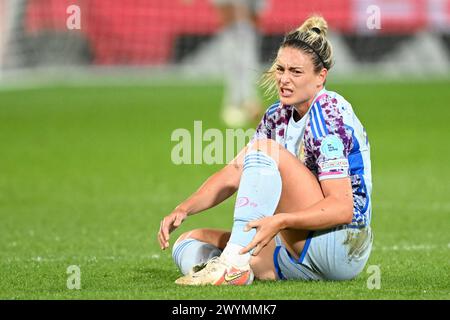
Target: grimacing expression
297	82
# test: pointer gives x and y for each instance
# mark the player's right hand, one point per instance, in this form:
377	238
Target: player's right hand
169	224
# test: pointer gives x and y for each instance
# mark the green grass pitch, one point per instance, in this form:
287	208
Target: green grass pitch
86	176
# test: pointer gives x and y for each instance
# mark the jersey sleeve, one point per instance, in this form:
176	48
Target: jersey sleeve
330	142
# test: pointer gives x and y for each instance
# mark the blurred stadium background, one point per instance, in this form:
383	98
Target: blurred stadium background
86	118
414	38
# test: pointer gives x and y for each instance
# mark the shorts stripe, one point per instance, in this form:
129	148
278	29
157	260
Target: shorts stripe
275	262
305	248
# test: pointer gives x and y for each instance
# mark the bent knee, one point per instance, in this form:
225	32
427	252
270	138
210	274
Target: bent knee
192	234
274	150
218	238
269	146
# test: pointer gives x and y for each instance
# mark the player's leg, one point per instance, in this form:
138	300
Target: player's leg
259	195
197	246
300	189
240	60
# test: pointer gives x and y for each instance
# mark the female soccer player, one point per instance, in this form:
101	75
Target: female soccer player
303	206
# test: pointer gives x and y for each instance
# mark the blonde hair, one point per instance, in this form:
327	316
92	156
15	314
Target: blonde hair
311	38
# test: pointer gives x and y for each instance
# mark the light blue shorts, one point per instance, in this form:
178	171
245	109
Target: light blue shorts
337	254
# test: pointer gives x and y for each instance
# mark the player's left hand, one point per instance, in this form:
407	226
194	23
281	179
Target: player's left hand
266	229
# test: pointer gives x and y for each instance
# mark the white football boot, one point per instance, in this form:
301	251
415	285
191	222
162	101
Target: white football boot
218	272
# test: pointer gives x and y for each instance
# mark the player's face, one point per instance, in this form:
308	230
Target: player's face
296	80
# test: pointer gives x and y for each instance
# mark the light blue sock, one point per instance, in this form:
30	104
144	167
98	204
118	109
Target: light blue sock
190	252
258	195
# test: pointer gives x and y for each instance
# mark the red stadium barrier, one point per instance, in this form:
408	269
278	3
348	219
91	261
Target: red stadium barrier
143	31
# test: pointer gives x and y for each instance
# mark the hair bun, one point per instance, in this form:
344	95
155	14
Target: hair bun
315	23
